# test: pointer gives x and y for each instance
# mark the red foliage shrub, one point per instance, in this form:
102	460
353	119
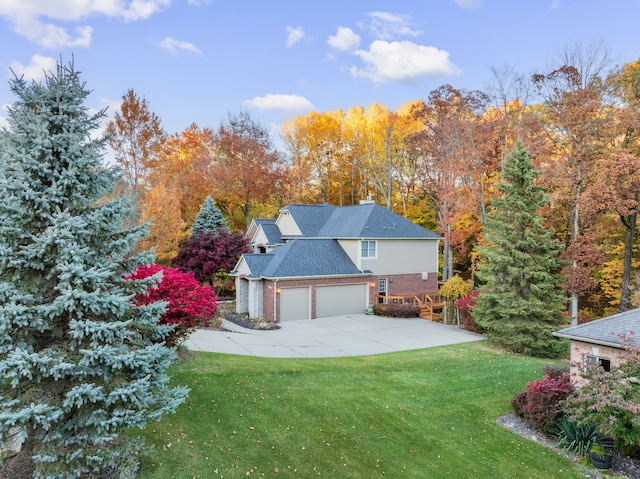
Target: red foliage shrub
189	303
517	403
544	397
465	306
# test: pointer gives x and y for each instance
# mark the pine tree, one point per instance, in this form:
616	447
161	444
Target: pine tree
79	363
209	219
521	303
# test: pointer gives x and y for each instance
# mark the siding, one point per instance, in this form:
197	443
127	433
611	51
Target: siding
259	239
352	248
243	268
403	257
287	225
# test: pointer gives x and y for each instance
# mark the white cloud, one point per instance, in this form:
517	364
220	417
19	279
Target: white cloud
469	4
36	20
174	45
386	26
344	40
388	62
294	35
37	68
282	103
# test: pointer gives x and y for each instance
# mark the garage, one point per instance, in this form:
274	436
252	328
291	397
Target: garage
294	303
336	300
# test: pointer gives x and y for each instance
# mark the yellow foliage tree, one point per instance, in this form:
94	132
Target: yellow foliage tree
454	289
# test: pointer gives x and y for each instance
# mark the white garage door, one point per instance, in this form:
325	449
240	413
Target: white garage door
337	300
294	303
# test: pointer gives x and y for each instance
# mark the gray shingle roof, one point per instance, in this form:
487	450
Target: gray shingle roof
371	221
272	232
256	263
303	257
262	221
310	218
606	331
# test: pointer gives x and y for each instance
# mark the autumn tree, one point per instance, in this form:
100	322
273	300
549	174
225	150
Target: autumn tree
252	166
210	256
381	143
520	303
178	184
616	185
136	137
575	116
454	161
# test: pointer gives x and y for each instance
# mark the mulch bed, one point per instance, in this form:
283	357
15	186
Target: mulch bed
621	466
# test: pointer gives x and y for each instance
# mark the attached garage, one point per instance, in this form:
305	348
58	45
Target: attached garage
336	300
295	303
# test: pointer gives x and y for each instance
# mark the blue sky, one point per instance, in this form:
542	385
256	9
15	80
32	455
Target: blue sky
196	61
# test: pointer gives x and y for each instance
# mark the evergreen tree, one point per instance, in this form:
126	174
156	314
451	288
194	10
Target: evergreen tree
209	219
79	363
521	302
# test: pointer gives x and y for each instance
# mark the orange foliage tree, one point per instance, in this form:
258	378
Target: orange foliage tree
249	166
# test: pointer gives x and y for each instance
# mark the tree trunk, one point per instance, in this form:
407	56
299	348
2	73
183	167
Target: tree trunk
625	288
575	230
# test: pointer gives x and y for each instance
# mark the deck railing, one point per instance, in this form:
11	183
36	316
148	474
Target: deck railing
430	303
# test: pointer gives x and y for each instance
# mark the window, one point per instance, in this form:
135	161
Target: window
590	360
368	249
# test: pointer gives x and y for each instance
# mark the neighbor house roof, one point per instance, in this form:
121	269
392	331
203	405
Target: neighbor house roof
302	257
609	331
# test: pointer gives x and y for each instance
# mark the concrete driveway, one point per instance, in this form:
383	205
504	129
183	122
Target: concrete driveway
352	335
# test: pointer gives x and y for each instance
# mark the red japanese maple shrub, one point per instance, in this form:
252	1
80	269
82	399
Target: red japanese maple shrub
543	407
465	306
189	303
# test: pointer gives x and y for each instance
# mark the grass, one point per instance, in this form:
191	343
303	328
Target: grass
427	413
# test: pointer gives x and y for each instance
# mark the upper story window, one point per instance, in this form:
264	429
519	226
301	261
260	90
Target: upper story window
368	249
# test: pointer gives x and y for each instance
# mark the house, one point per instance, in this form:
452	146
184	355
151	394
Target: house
265	235
602	341
315	261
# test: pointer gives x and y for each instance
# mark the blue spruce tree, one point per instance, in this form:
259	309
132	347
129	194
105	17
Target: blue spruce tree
209	219
79	364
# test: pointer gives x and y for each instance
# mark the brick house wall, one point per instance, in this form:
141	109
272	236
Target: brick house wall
268	288
410	283
396	284
579	351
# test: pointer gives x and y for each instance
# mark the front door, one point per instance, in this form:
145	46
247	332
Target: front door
382	289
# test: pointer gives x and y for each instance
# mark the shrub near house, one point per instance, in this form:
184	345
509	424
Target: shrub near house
189	304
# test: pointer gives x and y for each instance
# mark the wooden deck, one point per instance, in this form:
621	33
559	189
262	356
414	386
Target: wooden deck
431	303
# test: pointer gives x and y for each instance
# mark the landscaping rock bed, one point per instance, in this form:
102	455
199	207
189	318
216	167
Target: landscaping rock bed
620	466
227	311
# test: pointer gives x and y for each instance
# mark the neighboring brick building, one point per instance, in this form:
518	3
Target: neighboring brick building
602	341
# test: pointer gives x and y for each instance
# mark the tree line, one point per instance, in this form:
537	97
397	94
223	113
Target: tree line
436	161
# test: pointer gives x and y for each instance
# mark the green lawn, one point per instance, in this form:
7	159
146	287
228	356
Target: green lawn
418	414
